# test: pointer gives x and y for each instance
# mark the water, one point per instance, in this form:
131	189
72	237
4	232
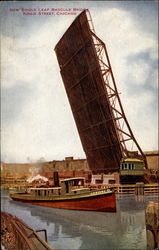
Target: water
68	229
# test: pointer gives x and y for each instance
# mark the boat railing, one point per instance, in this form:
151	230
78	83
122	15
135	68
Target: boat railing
69	195
88	192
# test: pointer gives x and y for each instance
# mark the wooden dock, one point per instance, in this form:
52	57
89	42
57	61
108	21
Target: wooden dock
18	235
138	188
152	225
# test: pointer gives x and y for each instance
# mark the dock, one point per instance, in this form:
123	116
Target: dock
15	234
152	225
138	188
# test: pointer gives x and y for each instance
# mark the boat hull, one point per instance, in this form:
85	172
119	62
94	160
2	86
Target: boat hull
103	203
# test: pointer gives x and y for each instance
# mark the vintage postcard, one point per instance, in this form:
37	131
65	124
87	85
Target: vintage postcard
79	125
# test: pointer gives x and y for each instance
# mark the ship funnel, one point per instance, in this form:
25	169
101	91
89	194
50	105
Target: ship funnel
56	179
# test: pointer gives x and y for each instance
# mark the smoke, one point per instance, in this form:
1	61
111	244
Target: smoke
33	171
37	177
36	168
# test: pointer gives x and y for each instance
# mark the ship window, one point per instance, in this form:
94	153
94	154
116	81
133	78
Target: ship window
111	181
67	187
44	192
38	192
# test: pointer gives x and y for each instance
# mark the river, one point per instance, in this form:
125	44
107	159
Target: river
67	229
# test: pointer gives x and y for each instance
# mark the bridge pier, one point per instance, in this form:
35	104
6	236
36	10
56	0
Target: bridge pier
152	225
139	188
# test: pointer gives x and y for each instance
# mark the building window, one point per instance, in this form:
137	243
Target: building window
125	166
122	166
111	181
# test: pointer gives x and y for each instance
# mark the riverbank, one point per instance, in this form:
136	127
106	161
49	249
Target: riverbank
15	234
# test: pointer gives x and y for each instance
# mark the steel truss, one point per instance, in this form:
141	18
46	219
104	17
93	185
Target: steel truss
120	121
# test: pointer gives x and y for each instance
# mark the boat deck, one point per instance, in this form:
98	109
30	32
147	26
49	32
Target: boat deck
88	193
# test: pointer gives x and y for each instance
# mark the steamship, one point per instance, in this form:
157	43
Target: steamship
70	194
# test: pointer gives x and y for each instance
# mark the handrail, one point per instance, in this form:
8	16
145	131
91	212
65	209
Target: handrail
22	233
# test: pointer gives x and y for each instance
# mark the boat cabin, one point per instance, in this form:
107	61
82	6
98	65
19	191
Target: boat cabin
67	186
43	192
73	185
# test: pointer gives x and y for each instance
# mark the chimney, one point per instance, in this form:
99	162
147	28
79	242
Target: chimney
56	179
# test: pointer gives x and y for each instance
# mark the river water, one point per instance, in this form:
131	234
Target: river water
67	229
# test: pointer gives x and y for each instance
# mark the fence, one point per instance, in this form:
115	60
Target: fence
139	188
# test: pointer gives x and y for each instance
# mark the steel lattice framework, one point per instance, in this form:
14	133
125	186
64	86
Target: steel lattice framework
90	85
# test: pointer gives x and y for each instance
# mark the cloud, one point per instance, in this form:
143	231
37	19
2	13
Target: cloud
133	56
122	37
39	105
13	100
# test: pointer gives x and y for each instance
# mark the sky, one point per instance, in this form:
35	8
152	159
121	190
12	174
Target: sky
36	118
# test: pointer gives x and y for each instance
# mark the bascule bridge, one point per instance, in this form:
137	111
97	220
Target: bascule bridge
93	96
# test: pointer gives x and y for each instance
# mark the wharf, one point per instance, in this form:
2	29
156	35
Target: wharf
138	188
17	235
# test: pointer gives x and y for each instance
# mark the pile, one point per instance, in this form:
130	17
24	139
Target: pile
7	234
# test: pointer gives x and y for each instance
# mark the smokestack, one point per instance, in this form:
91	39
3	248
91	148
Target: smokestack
56	179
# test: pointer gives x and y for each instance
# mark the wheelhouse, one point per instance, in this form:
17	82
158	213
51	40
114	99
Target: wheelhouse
68	185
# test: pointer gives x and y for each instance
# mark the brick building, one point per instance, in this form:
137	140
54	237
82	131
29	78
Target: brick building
152	159
68	167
